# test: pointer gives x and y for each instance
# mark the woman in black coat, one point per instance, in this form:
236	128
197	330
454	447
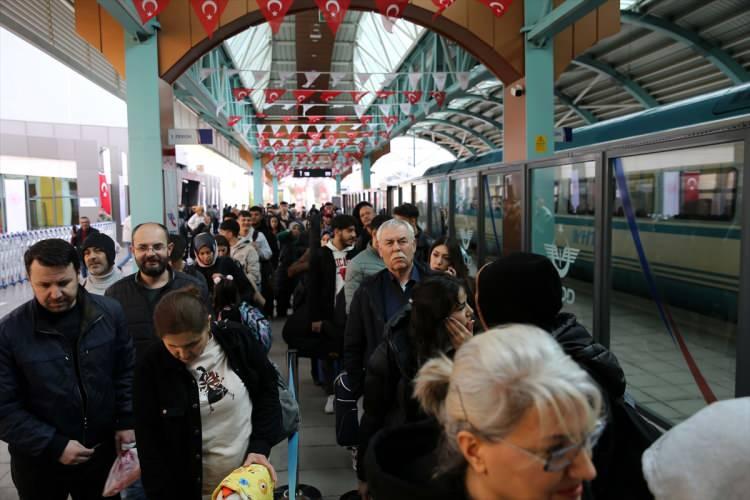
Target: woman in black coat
438	321
206	401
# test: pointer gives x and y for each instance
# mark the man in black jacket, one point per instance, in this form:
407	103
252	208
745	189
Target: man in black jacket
139	292
66	370
381	296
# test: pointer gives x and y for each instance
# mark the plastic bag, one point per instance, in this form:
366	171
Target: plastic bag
125	471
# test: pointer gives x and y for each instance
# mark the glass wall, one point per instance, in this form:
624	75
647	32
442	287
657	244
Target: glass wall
420	200
393	195
685	206
406	193
562	228
466	213
439	212
50	201
502	216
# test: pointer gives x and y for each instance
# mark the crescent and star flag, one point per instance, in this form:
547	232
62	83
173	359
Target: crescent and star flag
333	12
390	121
382	94
273	95
690	182
314	119
439	97
104	198
260	115
274	12
365	119
499	7
441	5
357	96
149	9
241	93
341	119
329	95
412	96
233	120
209	12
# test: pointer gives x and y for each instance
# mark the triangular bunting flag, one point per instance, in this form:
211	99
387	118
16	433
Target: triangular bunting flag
302	95
233	72
336	78
233	120
209	12
441	5
463	80
359	109
357	96
310	77
385	109
149	9
382	94
285	76
329	95
274	12
388	79
273	95
439	80
391	9
259	77
333	12
414	79
413	96
390	121
306	108
499	7
365	119
219	107
275	129
363	78
405	108
206	72
305	128
241	93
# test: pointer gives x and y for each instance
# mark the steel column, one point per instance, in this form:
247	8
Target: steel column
338	184
366	163
257	180
275	190
540	79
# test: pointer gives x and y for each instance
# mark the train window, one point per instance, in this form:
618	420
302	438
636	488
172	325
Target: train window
562	228
692	244
502	214
406	193
466	211
439	212
420	200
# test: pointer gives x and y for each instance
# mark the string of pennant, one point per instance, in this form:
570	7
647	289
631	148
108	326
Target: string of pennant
209	12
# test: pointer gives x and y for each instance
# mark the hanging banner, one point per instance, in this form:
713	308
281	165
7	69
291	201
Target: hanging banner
357	96
439	97
274	12
333	12
259	76
241	93
233	120
273	95
385	109
149	9
405	108
329	95
414	79
391	9
285	76
209	12
413	96
363	78
105	200
498	7
302	95
206	72
365	119
439	79
310	77
336	78
390	121
463	80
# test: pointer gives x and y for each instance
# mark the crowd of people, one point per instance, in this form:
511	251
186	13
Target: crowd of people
467	387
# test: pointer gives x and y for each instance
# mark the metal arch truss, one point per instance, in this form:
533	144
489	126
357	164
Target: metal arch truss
635	90
719	57
585	114
447	123
475	116
449	137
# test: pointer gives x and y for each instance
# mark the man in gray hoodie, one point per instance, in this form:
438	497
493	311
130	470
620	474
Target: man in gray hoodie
366	263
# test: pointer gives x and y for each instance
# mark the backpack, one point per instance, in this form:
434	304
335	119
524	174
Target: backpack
253	318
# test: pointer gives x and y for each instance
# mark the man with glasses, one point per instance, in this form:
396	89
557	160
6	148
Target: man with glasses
139	292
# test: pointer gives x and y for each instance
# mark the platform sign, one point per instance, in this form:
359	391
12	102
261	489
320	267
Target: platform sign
191	136
540	144
313	172
563	134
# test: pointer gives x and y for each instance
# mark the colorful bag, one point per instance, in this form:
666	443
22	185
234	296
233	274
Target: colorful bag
125	471
252	482
253	318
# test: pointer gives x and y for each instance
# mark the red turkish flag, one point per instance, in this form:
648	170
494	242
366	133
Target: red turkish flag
315	136
209	12
439	97
274	12
329	95
392	9
295	135
149	9
302	95
340	119
241	93
357	96
413	96
287	119
390	121
278	145
260	115
273	95
352	135
384	135
365	119
233	120
382	94
441	5
499	7
314	119
333	12
279	134
690	188
104	198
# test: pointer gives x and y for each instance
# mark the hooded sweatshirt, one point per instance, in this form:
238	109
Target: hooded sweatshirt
706	457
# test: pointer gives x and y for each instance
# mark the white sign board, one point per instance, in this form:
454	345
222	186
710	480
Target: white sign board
15	199
191	136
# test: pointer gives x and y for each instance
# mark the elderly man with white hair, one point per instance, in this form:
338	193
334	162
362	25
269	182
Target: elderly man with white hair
381	296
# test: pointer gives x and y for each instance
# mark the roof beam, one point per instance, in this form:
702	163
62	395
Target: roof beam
559	19
480	98
718	57
471	114
638	92
585	115
448	123
125	14
448	137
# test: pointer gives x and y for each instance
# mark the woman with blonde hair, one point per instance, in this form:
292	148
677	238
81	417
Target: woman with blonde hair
518	420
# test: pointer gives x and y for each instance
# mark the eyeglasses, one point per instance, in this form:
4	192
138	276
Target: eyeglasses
558	459
157	247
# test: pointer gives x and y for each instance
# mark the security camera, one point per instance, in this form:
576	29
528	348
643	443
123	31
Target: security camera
516	91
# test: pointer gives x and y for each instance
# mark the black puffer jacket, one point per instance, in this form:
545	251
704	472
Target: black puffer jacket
167	412
45	399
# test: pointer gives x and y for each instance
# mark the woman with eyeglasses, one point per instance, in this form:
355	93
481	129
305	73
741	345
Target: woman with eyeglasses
436	322
517	420
206	401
